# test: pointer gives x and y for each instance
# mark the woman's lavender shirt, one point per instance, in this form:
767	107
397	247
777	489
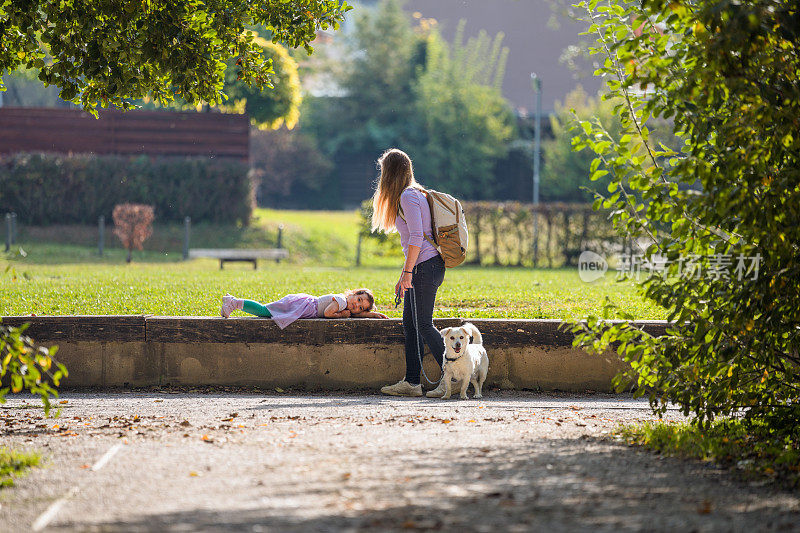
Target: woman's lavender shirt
418	220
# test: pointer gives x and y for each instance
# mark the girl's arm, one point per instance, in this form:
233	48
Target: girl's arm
332	311
368	314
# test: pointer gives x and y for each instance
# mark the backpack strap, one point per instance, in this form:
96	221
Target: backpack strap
433	224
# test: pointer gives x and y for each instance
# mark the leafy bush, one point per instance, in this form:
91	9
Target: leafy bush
726	73
133	224
25	366
62	189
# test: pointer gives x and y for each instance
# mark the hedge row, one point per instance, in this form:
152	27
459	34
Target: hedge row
48	189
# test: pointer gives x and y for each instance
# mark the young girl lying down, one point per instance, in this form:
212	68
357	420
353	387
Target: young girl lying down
356	303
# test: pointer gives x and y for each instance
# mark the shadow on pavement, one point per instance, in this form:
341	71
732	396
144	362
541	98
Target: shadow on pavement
581	484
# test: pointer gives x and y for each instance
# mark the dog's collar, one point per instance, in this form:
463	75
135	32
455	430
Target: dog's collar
456	359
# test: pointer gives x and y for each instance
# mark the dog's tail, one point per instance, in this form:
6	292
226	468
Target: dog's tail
474	333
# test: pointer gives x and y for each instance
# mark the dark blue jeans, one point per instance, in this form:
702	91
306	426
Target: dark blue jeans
426	279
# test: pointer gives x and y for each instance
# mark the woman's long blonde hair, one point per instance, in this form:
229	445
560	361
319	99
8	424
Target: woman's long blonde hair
397	174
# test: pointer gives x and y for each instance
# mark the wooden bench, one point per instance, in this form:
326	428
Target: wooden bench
241	255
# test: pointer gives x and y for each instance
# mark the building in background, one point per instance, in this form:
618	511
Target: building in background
540	37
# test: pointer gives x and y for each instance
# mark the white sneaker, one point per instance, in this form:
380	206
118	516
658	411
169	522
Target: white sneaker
228	305
402	388
438	392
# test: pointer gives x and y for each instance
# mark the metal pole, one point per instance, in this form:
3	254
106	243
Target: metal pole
13	228
8	231
536	82
187	226
358	250
280	241
101	230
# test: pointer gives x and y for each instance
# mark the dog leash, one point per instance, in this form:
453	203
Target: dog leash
416	330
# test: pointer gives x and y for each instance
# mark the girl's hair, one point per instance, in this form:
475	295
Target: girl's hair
397	174
366	293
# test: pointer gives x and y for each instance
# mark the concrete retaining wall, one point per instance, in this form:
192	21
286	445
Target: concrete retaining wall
110	351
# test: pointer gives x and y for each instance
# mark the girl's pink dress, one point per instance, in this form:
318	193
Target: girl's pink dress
292	307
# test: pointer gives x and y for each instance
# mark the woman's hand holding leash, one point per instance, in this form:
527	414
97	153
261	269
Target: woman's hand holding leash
403	284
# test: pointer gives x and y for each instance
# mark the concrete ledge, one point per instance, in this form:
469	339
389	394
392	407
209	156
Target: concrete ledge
317	354
101	328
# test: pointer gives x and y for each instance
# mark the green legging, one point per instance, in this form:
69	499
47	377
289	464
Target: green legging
255	308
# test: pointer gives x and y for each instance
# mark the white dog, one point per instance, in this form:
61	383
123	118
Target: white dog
465	359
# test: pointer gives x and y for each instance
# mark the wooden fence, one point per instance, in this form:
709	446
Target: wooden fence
502	233
128	133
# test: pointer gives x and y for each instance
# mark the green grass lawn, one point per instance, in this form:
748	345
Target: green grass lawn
62	274
154	285
312	237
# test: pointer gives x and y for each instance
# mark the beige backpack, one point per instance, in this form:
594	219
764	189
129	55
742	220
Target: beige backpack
450	233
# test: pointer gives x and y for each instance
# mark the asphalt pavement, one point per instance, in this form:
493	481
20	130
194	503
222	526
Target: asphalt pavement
210	460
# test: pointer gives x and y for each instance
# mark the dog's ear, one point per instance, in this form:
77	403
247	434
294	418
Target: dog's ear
444	332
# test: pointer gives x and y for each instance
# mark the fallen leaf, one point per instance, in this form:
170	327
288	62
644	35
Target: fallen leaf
278	389
207	439
157	401
705	507
64	402
193	474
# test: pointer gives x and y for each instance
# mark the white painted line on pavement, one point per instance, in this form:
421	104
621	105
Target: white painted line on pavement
51	511
108	455
46	517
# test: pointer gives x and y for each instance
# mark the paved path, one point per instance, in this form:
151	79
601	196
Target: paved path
160	461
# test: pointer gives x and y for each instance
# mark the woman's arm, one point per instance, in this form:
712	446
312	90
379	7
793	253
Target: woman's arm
332	311
412	211
405	277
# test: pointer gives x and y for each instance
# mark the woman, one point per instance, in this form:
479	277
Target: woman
399	203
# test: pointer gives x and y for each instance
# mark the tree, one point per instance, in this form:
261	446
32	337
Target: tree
726	74
377	77
404	86
465	121
133	225
114	51
23	89
282	159
567	170
272	107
